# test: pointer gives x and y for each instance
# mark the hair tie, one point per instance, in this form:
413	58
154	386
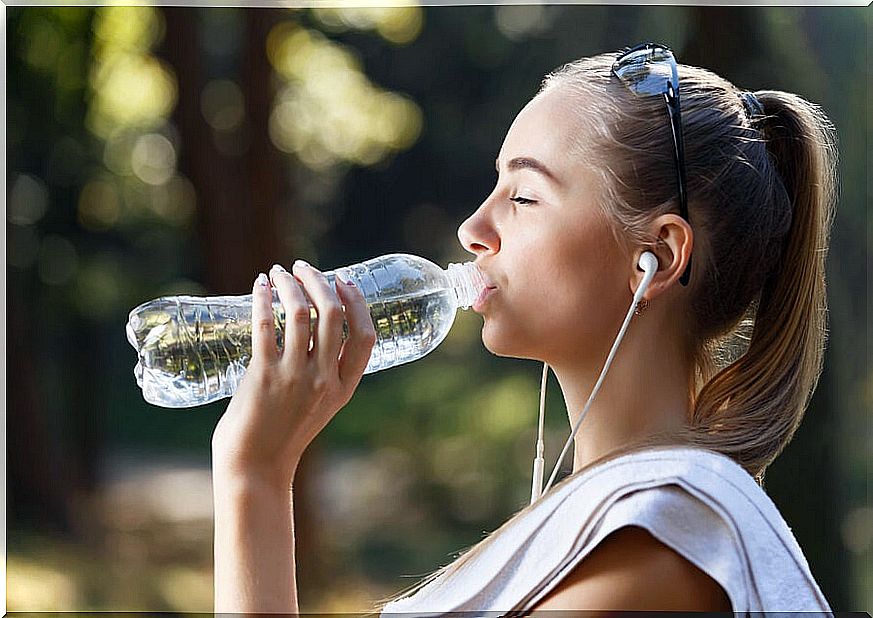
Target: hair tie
751	104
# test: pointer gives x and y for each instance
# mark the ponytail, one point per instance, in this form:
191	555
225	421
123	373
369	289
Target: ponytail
751	409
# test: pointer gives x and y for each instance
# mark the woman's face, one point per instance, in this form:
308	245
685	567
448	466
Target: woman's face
561	281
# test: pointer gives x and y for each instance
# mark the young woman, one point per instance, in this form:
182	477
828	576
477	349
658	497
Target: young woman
616	155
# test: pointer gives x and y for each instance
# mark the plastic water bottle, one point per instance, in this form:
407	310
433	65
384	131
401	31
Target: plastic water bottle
194	350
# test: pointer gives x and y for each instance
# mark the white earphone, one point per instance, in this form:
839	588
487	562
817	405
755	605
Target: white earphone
649	265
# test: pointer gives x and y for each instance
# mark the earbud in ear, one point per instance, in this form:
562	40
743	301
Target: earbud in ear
649	264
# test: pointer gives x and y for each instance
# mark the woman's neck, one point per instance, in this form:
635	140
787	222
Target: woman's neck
644	393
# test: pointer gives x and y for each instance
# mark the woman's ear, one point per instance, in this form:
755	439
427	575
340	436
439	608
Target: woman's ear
674	240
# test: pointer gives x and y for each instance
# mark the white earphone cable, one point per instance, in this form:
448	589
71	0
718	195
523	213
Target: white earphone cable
649	265
591	397
539	463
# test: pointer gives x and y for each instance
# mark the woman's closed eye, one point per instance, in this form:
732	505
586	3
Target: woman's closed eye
522	200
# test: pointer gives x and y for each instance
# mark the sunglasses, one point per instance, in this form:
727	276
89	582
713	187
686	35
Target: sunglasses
650	69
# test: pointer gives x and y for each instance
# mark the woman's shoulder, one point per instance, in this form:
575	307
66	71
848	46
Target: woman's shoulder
632	570
683	481
706	508
646	518
697	504
660	465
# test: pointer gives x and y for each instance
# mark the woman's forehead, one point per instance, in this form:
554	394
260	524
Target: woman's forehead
545	130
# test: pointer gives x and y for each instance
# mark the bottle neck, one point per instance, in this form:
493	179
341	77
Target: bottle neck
467	282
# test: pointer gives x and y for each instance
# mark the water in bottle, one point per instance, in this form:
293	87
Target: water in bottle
194	350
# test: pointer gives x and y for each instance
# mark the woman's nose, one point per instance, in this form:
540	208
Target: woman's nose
478	234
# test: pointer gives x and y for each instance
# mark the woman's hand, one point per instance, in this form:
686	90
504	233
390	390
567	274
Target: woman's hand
285	399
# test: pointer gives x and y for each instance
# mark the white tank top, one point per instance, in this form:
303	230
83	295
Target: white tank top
700	503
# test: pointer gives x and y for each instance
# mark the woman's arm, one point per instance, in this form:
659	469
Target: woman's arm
254	546
283	402
631	570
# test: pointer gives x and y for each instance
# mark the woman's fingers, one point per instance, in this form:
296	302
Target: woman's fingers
263	329
358	346
334	358
329	336
297	316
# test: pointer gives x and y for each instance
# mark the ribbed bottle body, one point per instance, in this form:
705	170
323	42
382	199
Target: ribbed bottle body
194	350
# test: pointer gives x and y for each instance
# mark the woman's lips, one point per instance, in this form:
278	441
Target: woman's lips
483	298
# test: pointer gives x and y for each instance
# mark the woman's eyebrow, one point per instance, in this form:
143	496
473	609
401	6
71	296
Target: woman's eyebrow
530	163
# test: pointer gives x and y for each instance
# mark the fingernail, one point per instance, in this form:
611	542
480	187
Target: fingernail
262	280
279	267
344	279
302	263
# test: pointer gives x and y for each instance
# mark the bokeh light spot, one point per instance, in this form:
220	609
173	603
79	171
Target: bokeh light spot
330	112
117	151
401	25
27	200
399	22
174	201
222	104
34	586
857	529
99	205
131	28
519	21
153	159
506	407
132	91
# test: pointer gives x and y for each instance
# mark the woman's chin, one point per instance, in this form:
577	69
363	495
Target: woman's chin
499	342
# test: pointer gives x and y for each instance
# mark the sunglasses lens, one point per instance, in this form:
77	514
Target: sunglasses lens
645	71
650	69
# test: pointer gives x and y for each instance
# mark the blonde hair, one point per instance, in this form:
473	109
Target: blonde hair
761	190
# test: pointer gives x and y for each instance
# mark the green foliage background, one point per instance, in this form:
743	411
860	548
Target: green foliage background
105	210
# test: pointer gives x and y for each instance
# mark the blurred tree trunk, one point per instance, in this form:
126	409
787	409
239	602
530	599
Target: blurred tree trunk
800	481
238	196
240	200
39	485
